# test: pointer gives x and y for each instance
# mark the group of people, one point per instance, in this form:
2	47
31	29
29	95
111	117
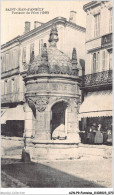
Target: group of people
96	135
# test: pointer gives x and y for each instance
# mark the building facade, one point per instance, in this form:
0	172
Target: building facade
97	82
17	54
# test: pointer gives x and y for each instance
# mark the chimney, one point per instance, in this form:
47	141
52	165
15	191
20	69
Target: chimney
72	17
27	26
36	24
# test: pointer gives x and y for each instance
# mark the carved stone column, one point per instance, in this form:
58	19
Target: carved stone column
73	128
28	131
42	131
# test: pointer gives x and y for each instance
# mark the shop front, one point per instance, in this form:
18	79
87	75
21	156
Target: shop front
95	115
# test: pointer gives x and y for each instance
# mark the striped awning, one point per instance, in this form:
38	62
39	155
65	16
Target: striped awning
16	113
96	104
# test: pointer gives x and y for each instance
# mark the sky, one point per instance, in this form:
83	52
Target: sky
12	24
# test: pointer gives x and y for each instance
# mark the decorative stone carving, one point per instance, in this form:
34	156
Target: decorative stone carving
43	69
25	66
39	102
53	36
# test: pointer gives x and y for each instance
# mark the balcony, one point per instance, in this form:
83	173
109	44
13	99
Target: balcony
106	40
97	80
12	98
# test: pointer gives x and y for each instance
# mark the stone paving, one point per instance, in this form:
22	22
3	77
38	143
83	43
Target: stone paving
10	182
92	169
84	173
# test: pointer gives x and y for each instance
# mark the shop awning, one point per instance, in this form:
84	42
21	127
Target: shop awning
96	104
16	113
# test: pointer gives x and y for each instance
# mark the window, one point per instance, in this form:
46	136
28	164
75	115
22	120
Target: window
14	58
24	55
16	84
104	60
7	62
12	85
97	25
2	87
40	46
8	87
110	20
3	63
10	60
95	62
31	52
110	61
5	87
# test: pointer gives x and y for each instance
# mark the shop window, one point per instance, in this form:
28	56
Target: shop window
97	25
110	20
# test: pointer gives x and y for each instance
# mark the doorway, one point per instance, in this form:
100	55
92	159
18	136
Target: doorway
58	122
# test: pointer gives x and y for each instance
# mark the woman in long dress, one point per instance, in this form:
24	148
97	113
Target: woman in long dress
92	133
99	136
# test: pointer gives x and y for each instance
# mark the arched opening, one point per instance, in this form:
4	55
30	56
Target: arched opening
59	121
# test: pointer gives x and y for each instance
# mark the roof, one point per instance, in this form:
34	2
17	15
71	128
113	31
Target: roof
52	60
90	4
42	27
14	40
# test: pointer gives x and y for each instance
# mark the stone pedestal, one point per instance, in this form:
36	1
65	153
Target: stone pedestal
52	150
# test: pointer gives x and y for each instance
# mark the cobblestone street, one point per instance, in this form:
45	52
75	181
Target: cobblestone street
87	172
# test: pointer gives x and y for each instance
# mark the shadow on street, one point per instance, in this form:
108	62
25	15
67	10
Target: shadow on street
39	175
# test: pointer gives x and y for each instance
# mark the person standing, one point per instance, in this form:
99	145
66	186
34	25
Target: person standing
92	133
98	136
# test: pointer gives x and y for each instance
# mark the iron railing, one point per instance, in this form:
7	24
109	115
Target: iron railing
96	79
